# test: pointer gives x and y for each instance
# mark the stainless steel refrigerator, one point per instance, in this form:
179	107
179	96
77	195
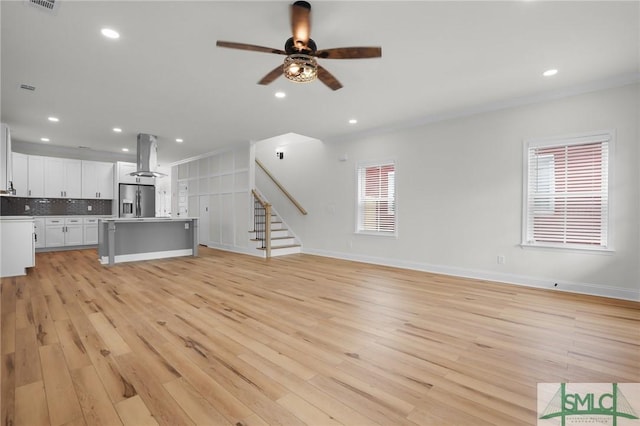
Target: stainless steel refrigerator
137	200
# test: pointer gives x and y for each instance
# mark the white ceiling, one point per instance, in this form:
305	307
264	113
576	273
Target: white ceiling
165	76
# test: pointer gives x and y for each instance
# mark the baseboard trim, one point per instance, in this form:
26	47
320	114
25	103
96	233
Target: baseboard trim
521	280
147	256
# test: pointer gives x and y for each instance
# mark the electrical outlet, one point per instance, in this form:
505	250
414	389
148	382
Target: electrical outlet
501	259
186	225
26	208
89	208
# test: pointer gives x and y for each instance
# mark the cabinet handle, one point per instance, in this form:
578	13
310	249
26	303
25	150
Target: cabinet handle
29	192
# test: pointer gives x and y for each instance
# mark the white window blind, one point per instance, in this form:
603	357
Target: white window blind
567	197
377	199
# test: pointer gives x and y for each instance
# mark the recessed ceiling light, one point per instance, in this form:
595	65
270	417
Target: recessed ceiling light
45	139
353	121
54	119
109	33
125	149
280	95
549	73
117	129
179	140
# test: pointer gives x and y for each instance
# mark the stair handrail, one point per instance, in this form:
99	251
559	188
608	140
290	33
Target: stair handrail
267	222
282	188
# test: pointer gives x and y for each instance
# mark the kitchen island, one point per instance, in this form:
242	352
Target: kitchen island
133	239
17	246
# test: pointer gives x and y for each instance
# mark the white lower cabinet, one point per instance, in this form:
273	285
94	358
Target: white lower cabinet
54	232
90	228
73	235
60	232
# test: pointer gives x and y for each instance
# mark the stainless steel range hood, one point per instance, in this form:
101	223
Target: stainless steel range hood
147	156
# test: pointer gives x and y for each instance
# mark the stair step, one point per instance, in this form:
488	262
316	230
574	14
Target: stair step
272	238
281	247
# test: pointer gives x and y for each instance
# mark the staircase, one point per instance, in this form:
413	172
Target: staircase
283	242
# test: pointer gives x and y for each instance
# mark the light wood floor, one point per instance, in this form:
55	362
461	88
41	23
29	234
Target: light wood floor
228	339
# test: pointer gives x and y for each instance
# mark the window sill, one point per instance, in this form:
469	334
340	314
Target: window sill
378	234
569	249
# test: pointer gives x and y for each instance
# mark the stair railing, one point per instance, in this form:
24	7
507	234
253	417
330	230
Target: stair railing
262	222
282	188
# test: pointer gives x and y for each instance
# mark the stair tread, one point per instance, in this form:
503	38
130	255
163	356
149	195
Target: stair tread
272	238
281	247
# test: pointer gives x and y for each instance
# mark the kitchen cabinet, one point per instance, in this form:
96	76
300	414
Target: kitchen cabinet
20	165
36	176
60	232
39	233
62	178
28	175
124	177
90	231
5	157
17	251
97	180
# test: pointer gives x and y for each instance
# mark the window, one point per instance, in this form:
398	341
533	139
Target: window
566	202
377	198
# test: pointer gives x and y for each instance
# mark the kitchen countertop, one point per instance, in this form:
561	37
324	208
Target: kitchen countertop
16	217
146	219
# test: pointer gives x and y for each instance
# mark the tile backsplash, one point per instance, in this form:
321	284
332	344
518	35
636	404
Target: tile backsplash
18	206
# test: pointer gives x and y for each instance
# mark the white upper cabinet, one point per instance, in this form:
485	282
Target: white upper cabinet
62	178
97	180
36	176
28	175
20	174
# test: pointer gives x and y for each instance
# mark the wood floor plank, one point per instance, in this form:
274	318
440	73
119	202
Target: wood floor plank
74	351
165	409
8	316
31	405
196	407
93	398
306	412
7	389
226	338
27	357
61	397
134	412
112	339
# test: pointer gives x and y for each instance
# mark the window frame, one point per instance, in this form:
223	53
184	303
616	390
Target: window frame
360	165
608	137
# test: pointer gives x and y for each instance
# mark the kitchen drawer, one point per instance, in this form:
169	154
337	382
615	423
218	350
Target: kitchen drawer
54	221
90	221
73	221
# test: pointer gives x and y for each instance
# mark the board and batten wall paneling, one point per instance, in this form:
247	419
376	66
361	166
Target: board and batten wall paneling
459	194
220	179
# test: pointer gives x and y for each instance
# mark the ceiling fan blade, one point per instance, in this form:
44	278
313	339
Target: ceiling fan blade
327	78
273	74
350	53
251	47
301	24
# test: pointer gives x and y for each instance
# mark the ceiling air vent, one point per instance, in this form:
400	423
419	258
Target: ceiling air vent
48	5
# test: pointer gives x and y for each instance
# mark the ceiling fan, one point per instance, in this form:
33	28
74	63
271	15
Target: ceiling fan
300	64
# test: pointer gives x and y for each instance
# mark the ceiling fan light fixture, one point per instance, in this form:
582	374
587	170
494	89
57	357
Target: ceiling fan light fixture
300	68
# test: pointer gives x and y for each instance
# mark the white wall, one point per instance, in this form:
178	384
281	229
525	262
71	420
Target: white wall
219	181
459	194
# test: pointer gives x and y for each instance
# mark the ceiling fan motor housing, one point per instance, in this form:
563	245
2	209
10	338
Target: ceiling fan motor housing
291	48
